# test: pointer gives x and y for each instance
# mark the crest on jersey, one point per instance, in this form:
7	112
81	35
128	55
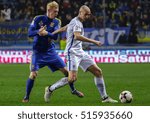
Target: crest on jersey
40	23
77	28
51	24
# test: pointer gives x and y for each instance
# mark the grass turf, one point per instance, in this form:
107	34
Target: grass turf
118	77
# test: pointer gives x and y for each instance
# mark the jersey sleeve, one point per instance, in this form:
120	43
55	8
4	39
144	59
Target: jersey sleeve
77	28
33	31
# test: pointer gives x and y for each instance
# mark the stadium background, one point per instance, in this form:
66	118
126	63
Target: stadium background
122	25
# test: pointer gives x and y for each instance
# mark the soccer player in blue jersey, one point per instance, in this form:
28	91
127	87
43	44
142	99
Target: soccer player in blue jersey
44	53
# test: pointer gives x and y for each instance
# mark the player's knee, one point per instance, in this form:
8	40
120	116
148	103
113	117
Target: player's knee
33	75
72	79
98	72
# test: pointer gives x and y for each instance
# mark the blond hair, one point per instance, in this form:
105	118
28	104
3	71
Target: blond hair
52	5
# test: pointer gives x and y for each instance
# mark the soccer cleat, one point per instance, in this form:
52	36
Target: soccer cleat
109	100
25	100
47	94
78	93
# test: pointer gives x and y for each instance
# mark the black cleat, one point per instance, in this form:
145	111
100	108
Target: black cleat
25	100
78	93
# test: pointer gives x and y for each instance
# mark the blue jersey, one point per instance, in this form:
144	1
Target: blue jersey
43	43
44	53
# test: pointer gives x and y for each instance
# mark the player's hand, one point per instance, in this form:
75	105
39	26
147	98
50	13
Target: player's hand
42	28
98	43
43	33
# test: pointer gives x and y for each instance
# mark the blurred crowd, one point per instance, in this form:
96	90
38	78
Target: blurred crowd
118	13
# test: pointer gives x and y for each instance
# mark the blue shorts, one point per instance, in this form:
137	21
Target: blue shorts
39	60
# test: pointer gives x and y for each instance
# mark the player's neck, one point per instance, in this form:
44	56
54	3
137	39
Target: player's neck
80	18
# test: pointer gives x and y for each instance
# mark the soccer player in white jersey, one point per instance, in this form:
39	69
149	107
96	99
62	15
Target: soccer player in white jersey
76	56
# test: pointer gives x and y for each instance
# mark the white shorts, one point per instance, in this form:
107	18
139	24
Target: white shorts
83	61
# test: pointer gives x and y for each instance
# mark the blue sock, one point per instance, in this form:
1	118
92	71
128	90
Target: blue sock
72	86
29	86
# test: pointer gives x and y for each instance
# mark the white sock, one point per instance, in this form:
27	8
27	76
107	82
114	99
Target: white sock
60	83
99	82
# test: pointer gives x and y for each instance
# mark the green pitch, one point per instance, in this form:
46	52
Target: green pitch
118	77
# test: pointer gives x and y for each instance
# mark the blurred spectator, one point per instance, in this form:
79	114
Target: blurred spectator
122	39
108	13
6	13
68	19
118	13
123	20
132	38
145	21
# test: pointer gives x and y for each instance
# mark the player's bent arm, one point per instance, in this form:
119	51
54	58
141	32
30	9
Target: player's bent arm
62	29
49	34
32	32
78	36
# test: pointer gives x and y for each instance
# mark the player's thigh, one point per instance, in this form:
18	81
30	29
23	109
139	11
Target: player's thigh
34	67
86	62
73	62
64	71
57	64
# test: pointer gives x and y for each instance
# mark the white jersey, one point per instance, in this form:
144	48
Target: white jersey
74	46
75	55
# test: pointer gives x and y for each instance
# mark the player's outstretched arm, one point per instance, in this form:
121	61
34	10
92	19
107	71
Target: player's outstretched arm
62	29
78	36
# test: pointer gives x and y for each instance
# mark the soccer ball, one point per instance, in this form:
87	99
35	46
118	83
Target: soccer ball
125	97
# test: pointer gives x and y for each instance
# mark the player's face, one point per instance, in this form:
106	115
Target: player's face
86	14
53	12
